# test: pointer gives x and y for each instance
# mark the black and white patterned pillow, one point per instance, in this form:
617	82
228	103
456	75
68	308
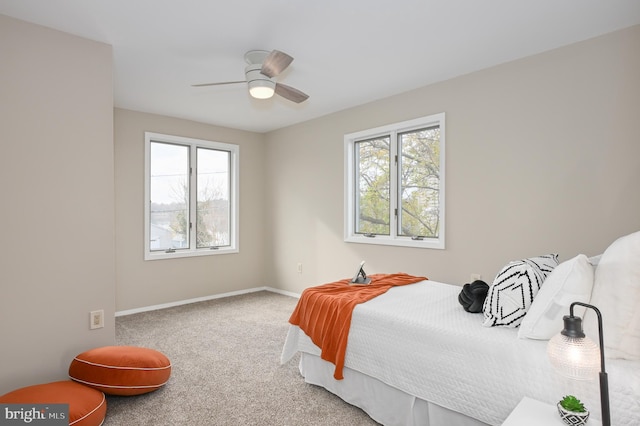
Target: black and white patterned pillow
514	288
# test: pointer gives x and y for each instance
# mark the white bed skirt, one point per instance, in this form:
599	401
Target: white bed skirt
383	403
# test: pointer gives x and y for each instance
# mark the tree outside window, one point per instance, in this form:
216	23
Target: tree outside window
395	184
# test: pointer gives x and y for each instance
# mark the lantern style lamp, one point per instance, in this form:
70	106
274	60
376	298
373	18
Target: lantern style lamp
574	355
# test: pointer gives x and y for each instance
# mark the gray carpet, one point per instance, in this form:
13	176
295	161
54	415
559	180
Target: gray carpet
225	356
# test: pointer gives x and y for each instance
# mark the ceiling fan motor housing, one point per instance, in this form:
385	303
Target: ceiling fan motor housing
260	86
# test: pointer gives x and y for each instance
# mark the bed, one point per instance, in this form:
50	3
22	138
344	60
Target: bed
415	357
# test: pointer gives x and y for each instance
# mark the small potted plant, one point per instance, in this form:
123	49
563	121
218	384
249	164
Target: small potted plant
572	411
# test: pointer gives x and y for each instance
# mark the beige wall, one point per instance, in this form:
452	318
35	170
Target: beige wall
143	283
57	215
542	156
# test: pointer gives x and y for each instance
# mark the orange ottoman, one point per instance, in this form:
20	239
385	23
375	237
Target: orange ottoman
87	407
121	370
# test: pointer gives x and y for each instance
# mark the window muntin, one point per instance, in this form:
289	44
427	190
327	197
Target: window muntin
394	184
191	192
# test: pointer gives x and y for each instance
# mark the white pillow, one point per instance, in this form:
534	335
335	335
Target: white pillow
595	259
616	293
569	282
514	288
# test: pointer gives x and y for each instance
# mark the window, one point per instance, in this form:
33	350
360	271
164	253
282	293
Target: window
191	197
394	184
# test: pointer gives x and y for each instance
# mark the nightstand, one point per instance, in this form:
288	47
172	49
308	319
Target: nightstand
531	412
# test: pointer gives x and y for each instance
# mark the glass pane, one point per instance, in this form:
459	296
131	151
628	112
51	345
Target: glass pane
214	200
419	183
169	185
373	185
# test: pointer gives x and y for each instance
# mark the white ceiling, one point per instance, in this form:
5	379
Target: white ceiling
347	52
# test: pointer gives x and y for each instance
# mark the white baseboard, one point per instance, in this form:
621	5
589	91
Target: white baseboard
203	299
283	292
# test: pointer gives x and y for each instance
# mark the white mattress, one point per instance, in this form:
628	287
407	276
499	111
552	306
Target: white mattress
418	339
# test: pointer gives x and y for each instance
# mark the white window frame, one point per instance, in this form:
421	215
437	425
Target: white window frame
350	180
234	176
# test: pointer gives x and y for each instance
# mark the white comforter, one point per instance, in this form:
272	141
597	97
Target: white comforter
418	339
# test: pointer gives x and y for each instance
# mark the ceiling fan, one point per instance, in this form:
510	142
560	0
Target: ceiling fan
260	73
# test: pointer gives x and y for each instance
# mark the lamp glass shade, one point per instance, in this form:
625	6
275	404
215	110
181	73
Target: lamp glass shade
576	358
261	89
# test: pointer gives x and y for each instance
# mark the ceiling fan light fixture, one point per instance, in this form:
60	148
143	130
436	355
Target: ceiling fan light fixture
260	86
261	89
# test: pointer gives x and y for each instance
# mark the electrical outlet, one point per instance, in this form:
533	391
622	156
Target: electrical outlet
475	277
299	268
96	319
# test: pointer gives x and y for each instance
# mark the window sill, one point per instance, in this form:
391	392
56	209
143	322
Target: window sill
161	255
398	242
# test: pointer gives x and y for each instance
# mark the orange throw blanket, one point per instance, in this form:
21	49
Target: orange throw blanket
324	312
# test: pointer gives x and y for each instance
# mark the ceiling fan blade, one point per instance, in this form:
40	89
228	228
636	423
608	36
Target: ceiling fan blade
218	84
275	63
288	92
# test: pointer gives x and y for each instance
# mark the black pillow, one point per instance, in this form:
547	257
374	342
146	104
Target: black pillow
472	296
